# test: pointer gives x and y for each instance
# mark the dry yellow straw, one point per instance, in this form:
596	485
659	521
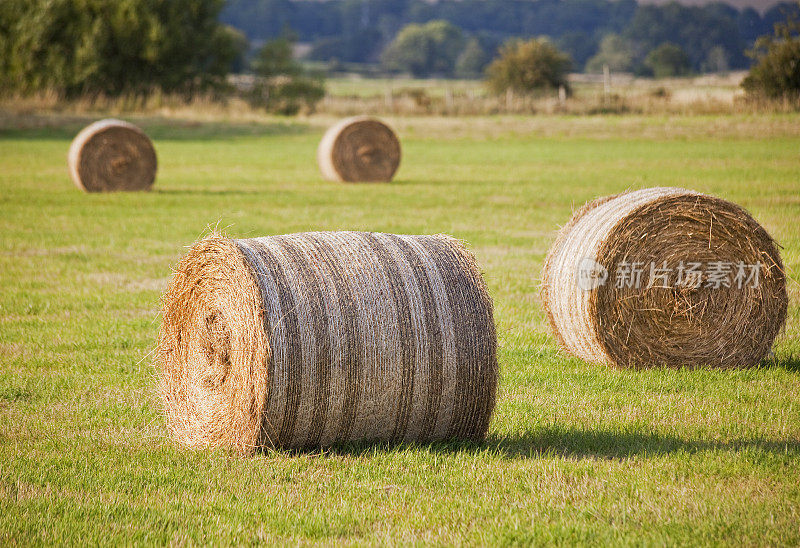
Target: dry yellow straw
112	155
310	339
665	276
359	149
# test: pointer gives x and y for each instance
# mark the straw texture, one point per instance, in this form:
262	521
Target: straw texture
310	339
112	155
359	149
660	322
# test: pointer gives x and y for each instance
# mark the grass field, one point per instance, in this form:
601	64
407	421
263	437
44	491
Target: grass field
710	86
706	94
576	453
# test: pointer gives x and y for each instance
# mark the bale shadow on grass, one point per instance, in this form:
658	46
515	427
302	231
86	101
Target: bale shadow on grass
207	191
613	444
789	362
169	130
574	443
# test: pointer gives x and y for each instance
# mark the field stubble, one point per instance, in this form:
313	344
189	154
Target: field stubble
576	453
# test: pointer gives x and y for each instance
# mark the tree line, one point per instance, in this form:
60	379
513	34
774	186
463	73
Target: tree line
114	47
76	47
620	33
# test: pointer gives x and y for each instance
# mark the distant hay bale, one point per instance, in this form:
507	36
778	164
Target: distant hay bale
112	155
359	149
711	289
310	339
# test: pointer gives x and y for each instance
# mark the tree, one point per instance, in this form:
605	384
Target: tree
616	52
696	29
776	73
358	30
276	57
282	84
426	49
668	60
472	61
716	60
529	66
579	45
115	46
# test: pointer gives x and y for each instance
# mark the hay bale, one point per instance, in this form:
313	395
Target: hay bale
359	149
112	155
721	317
306	340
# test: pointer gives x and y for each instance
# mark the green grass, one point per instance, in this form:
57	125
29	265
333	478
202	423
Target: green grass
576	453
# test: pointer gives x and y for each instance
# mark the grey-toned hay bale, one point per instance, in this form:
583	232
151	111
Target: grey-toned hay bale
112	155
359	149
600	315
310	339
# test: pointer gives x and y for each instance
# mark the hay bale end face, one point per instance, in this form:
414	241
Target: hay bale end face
665	277
359	149
112	155
311	339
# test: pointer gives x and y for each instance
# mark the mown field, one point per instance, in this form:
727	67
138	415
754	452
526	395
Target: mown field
576	453
707	87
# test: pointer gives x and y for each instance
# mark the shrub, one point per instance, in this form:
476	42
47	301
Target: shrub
525	67
282	85
472	61
776	73
668	60
423	50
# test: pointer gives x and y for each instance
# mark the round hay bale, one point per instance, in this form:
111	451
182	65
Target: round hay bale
359	149
310	339
664	277
112	155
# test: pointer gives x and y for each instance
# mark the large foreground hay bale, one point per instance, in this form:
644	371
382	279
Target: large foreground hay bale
310	339
728	315
359	149
112	155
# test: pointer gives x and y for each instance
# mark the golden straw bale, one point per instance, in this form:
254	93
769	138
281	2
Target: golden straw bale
112	155
311	339
665	276
359	149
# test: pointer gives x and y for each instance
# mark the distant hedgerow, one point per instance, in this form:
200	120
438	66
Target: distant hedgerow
776	73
